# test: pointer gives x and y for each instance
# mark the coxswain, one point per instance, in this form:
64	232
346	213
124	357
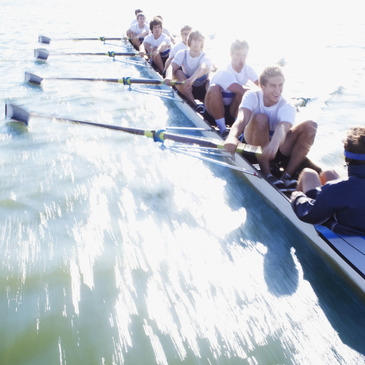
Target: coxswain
336	203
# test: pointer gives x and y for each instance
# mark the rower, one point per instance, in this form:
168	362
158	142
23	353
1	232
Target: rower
185	31
166	31
192	67
157	45
338	204
266	119
138	31
227	88
136	12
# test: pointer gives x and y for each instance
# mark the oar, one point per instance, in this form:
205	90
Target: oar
46	40
35	79
42	54
18	114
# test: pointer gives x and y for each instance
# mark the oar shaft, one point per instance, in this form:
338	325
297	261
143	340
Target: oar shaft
47	40
19	114
29	77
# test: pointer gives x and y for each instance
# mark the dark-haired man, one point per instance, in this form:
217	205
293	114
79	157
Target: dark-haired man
338	204
157	45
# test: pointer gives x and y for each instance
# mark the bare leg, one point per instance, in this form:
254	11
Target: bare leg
156	58
235	104
308	180
137	43
329	175
297	144
257	133
214	102
186	92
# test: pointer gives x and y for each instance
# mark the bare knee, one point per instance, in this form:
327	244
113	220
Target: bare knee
260	120
308	180
329	175
213	92
310	128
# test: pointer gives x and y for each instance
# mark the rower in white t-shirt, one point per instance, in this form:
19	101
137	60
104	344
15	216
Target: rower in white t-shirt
157	45
267	120
185	31
138	31
228	86
192	67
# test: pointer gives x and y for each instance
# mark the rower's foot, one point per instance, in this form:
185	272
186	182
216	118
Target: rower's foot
225	133
200	108
288	181
275	182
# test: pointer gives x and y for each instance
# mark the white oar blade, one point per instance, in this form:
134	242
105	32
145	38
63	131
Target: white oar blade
41	54
32	78
44	40
16	113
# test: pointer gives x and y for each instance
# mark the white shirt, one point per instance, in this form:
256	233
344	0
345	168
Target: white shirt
136	29
280	112
191	64
228	76
150	39
180	46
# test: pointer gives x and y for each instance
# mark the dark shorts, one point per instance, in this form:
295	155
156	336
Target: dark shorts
227	116
280	159
199	92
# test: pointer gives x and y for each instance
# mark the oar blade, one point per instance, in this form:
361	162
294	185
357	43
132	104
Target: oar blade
41	54
44	40
16	113
32	78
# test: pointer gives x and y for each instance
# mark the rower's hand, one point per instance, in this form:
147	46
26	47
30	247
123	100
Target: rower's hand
230	144
167	81
188	84
269	152
154	53
294	194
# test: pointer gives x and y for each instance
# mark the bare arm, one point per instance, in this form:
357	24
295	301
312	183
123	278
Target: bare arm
145	48
201	71
171	70
277	140
244	116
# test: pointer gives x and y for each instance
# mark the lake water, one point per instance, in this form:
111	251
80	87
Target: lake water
114	251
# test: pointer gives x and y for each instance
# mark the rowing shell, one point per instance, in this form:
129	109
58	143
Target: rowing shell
347	253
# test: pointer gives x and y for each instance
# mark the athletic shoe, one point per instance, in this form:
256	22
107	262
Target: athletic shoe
289	183
271	179
200	108
225	133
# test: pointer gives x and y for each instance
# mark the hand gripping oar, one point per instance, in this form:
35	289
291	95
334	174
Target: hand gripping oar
46	40
35	79
18	114
42	54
